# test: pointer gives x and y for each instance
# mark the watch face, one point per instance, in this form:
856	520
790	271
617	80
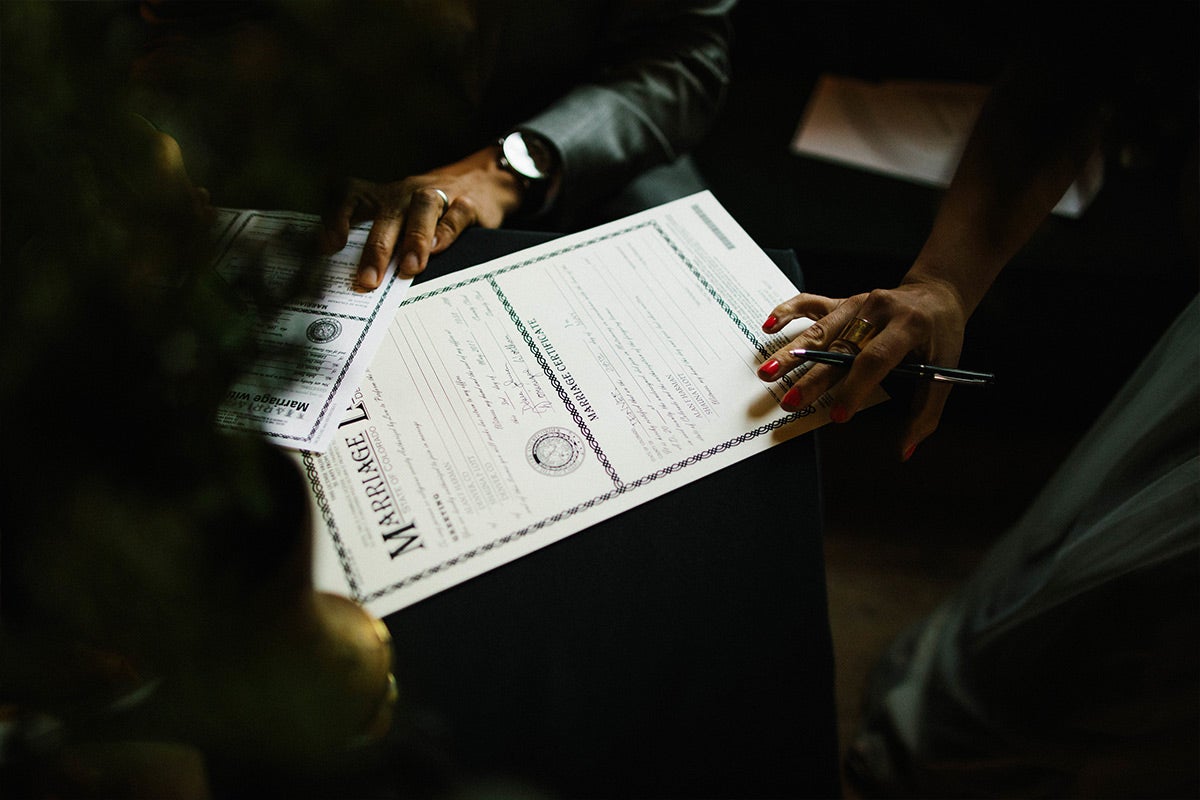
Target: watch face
517	155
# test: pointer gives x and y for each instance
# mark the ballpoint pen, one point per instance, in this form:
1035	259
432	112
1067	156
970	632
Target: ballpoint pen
922	371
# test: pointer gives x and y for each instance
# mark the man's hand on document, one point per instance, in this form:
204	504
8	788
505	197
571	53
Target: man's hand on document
420	215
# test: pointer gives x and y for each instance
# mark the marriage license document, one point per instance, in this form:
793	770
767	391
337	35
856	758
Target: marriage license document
520	401
313	348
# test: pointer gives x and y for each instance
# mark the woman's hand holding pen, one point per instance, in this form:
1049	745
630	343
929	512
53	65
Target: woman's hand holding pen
924	318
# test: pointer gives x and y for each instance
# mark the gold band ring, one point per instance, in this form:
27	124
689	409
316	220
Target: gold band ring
857	332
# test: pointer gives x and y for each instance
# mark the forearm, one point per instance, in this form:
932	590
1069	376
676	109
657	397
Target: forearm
1032	139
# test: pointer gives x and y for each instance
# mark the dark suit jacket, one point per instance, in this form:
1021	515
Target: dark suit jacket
264	97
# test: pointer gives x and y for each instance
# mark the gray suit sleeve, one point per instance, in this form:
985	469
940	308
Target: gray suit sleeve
664	73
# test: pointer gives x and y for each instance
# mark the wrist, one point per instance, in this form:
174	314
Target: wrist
482	172
962	273
945	291
535	165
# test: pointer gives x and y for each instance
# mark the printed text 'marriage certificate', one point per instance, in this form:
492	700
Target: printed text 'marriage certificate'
521	401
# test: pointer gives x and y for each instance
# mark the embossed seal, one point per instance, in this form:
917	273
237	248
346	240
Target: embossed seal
324	331
555	451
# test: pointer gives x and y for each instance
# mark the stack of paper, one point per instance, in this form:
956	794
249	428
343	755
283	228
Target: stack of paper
908	129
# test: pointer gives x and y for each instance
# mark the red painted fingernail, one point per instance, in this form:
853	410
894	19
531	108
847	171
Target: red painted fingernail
769	369
792	400
770	323
839	413
909	452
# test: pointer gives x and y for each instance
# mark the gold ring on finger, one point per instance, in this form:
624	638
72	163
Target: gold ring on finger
857	332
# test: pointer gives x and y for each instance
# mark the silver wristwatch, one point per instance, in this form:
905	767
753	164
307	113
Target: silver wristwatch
531	160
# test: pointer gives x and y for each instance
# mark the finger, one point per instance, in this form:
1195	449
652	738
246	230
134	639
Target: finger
929	400
377	252
781	362
820	378
825	332
458	217
424	209
813	306
809	387
870	367
337	219
334	233
816	336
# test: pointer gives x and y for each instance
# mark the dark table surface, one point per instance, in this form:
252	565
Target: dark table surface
681	649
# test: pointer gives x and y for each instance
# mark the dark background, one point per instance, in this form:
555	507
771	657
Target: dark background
1070	315
1062	327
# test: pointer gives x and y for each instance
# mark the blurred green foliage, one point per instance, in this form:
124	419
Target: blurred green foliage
130	524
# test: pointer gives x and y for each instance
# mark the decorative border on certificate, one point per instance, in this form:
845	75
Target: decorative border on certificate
508	538
557	384
314	480
619	487
652	223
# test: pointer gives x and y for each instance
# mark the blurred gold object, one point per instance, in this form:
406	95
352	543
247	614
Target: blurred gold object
311	691
302	696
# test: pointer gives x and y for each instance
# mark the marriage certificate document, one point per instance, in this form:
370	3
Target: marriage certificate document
522	400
